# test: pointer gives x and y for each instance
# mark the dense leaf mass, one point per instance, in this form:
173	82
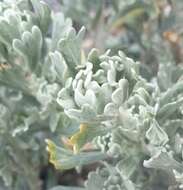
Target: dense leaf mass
66	105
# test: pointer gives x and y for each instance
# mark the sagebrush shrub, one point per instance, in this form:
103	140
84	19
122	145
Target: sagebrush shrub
87	108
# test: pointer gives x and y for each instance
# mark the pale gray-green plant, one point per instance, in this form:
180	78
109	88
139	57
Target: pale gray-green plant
134	126
35	44
106	111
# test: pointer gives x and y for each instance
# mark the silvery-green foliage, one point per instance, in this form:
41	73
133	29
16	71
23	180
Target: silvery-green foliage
138	123
109	113
39	50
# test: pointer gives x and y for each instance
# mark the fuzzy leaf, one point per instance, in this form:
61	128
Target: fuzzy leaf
156	135
43	15
30	46
70	47
65	159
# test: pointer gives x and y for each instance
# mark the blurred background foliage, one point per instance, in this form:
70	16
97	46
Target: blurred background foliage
149	31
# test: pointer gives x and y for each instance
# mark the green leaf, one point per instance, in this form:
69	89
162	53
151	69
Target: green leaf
94	58
30	47
86	134
121	94
85	115
43	15
168	109
61	28
60	66
171	93
10	27
65	159
70	47
156	135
